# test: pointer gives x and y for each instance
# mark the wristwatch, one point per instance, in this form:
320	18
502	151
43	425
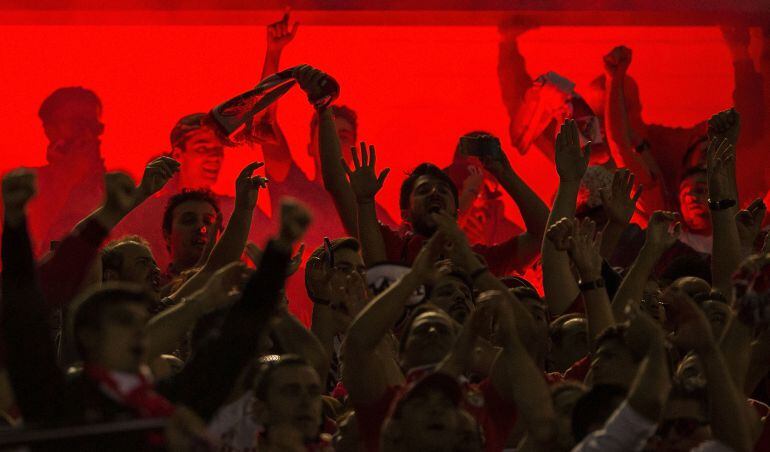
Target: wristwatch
722	204
591	285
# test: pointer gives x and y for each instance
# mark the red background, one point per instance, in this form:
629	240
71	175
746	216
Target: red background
415	88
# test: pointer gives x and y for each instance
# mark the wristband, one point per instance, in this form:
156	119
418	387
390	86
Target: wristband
591	285
478	272
722	204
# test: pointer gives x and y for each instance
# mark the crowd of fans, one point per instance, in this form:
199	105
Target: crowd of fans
424	335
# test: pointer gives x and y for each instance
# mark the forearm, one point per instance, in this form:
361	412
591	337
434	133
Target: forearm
726	403
651	386
295	338
379	316
369	233
631	289
333	174
619	131
518	379
559	285
726	252
533	210
610	238
230	246
166	331
598	312
322	327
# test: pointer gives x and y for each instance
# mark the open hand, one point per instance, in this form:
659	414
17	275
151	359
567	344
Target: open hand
720	158
571	160
363	179
617	202
584	249
225	286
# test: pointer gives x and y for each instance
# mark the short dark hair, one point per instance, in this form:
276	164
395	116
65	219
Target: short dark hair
595	407
267	365
692	148
64	96
424	169
203	195
111	258
339	111
617	333
692	171
184	126
87	311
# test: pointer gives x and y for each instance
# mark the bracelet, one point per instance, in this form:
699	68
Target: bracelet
591	285
478	272
722	204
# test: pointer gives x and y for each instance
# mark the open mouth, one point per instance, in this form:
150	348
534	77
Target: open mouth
198	241
435	206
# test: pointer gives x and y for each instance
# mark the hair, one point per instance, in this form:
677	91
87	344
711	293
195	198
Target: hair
424	169
418	311
319	253
112	258
594	407
64	96
267	365
617	333
203	195
692	148
339	111
88	310
184	126
686	265
690	172
455	271
555	329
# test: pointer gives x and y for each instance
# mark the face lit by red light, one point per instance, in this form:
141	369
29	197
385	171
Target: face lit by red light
693	203
189	232
201	156
74	128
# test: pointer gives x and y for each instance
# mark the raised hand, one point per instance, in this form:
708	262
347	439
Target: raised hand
617	201
720	159
501	310
617	61
347	297
424	264
473	182
749	222
254	253
363	179
571	160
279	34
725	125
560	233
19	186
295	219
120	193
224	287
247	186
693	331
663	230
156	175
584	247
309	79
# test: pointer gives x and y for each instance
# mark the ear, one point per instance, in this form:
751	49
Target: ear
176	153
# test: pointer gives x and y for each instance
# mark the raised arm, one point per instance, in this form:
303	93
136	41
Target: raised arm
727	405
37	381
274	146
365	183
571	164
619	206
662	232
533	210
724	128
331	154
63	271
583	249
370	371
